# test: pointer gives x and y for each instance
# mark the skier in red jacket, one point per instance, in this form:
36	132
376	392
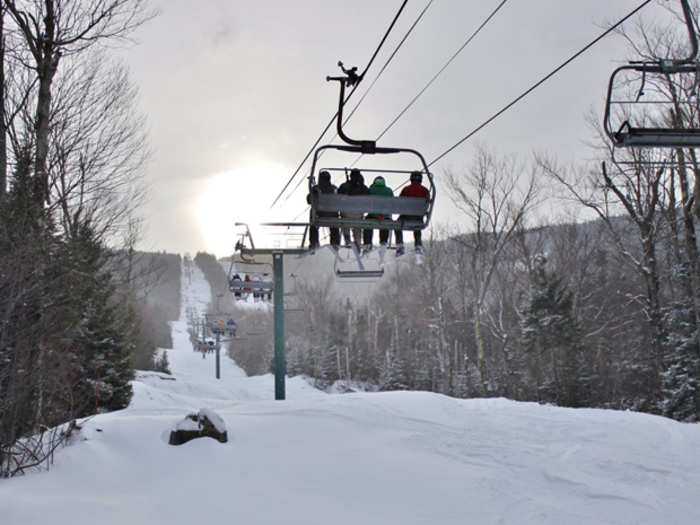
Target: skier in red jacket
414	189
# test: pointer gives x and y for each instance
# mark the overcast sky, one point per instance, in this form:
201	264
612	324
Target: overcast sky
235	95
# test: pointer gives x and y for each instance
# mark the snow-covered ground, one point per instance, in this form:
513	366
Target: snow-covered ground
380	458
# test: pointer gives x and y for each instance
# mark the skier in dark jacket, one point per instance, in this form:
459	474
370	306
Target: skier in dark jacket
324	186
354	186
378	187
235	285
414	189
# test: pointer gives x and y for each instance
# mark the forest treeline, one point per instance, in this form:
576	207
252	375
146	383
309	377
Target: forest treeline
565	321
75	316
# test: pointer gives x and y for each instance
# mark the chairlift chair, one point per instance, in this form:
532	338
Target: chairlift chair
258	286
262	285
223	327
631	131
217	327
241	287
207	345
324	204
231	328
357	266
401	213
256	283
397	213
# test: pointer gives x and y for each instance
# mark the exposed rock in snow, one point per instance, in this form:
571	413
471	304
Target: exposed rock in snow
206	423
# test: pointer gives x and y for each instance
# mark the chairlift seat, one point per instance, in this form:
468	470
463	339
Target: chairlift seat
629	136
240	286
359	274
262	286
414	207
361	269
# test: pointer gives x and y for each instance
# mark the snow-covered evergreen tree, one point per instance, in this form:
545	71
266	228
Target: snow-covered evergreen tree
105	328
551	337
393	375
681	377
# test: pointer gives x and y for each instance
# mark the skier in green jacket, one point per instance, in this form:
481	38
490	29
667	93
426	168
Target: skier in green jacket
378	187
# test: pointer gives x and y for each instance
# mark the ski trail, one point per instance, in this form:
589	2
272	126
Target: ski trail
195	385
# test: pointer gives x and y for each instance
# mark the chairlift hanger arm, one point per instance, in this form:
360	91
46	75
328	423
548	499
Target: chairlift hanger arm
674	65
351	78
247	234
692	57
351	74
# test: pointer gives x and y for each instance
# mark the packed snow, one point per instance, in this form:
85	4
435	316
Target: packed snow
370	458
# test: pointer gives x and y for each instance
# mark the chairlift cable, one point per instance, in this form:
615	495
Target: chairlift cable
369	64
391	57
539	83
440	71
430	82
304	212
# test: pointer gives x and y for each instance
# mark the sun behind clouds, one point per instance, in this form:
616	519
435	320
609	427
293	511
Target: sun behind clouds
243	194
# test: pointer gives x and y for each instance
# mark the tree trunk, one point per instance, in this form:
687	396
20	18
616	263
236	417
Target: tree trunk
696	194
3	125
479	340
691	245
347	364
339	368
653	299
47	58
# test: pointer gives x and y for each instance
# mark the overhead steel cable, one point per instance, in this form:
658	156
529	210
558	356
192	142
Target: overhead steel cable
386	64
440	71
430	82
539	83
369	64
391	57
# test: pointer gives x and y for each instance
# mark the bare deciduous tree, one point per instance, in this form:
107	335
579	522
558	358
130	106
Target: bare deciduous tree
52	29
97	148
494	197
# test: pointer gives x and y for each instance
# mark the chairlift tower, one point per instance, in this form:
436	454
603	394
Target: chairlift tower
277	255
219	327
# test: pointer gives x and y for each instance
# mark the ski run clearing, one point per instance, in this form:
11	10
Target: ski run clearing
364	458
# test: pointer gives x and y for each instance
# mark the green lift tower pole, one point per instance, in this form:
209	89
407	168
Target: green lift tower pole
278	303
278	295
218	348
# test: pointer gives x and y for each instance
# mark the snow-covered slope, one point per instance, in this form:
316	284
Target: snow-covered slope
383	458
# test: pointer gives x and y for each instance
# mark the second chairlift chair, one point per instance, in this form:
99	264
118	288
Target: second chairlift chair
630	130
